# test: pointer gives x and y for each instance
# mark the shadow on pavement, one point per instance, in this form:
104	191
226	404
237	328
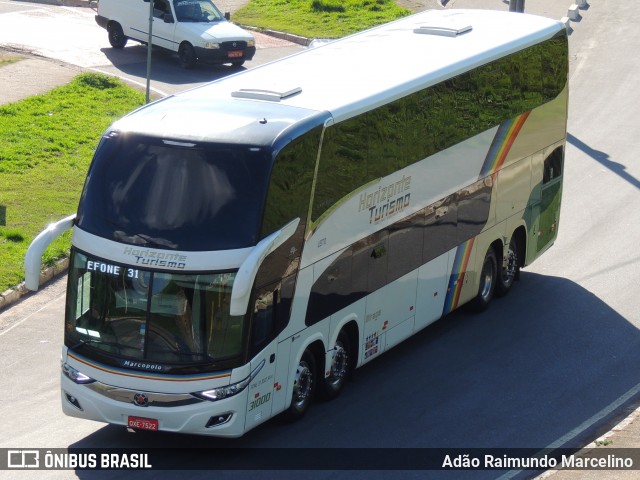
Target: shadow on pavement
538	364
165	66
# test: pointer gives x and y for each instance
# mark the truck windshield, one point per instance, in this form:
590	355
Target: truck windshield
135	315
176	195
197	11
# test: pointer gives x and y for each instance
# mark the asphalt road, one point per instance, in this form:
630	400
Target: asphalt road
552	364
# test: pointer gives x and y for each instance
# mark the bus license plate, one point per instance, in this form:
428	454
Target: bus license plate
143	423
235	54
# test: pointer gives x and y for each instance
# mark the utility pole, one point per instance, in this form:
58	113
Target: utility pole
516	6
149	49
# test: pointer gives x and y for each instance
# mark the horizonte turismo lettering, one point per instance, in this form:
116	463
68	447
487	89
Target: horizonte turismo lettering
157	259
386	200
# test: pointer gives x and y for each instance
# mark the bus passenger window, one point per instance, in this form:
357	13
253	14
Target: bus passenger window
263	325
553	165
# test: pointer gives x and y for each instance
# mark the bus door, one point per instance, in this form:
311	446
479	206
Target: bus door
545	199
271	312
550	197
264	326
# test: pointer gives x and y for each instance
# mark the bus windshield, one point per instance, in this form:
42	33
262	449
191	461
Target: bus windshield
175	195
137	315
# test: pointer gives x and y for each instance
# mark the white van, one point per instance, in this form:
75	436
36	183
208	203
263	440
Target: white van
196	29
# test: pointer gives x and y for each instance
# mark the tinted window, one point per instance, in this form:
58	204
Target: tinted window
553	165
291	181
176	196
379	142
177	320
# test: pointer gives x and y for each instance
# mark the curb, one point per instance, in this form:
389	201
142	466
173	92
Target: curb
12	295
289	37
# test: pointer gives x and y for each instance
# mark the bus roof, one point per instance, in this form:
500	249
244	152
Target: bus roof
357	73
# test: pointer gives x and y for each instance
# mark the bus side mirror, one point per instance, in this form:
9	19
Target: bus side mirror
241	290
33	257
227	15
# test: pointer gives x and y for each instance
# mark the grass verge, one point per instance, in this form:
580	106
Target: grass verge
47	144
319	18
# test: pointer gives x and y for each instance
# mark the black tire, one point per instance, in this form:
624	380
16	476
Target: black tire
509	273
488	279
304	387
332	386
187	55
117	39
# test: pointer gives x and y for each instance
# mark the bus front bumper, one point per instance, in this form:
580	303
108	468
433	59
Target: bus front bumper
223	418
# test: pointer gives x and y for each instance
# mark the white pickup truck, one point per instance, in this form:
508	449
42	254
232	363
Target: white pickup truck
195	29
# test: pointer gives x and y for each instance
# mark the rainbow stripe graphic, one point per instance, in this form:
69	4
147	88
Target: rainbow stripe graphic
149	375
502	143
456	280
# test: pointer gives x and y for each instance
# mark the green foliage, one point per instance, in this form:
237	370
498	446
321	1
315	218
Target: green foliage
319	18
47	144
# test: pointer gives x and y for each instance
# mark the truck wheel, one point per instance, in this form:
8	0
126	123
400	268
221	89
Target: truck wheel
304	387
117	38
187	55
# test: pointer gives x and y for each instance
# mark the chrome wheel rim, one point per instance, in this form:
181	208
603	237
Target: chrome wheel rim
302	385
339	365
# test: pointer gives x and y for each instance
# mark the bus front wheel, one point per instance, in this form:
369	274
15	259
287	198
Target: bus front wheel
304	386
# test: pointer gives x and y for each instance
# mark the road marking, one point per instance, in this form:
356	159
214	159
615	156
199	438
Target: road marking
582	427
20	322
140	84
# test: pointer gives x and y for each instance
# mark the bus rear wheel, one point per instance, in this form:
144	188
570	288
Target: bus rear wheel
333	385
304	386
508	273
488	277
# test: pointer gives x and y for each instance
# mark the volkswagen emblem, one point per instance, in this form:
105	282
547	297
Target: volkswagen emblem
235	44
141	400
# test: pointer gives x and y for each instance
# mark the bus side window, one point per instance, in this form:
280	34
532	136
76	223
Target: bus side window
553	165
271	311
263	322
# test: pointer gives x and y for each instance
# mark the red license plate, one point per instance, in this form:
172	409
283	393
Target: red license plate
143	423
235	54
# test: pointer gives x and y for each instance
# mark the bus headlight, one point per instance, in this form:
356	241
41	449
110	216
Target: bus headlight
211	45
74	375
230	390
251	43
224	392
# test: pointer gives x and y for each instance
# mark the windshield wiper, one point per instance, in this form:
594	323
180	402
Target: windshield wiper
181	354
101	342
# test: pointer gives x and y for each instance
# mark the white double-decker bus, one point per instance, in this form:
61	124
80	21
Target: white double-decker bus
239	248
